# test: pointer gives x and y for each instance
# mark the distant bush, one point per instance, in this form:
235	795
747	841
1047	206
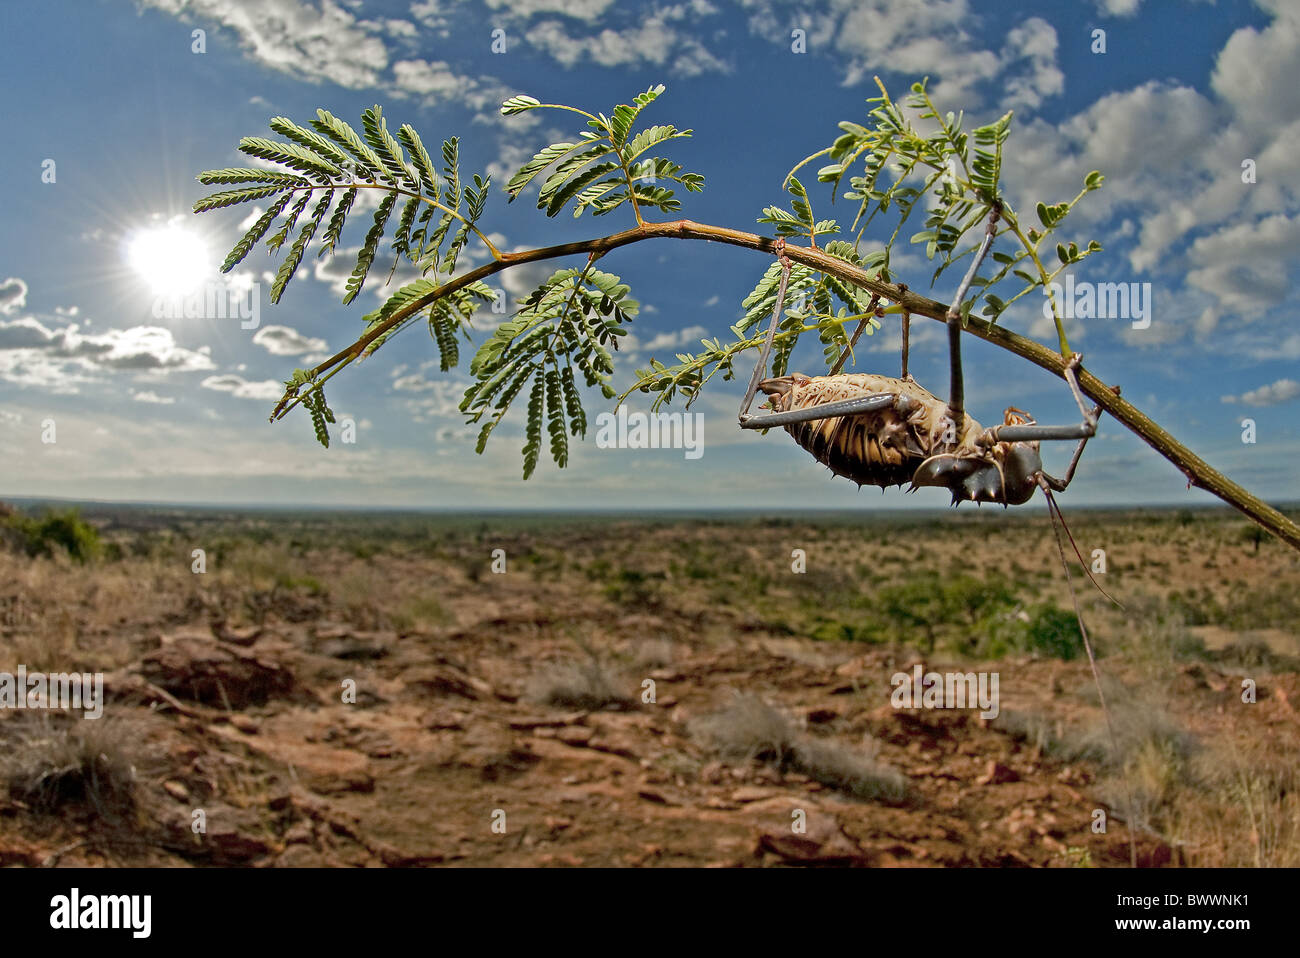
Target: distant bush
961	613
53	532
936	608
1041	630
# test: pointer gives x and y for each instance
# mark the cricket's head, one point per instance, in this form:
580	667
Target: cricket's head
780	390
1020	468
1020	461
1006	472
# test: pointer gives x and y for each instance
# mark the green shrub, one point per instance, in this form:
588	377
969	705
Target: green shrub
1041	629
56	531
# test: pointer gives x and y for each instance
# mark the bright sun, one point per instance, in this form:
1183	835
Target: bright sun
172	260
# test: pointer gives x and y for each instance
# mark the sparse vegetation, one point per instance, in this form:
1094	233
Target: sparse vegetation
53	533
51	761
409	607
578	684
750	729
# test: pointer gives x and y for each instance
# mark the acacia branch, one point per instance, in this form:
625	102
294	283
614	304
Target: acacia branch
1199	473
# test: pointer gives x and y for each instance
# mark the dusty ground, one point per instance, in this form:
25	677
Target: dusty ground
370	692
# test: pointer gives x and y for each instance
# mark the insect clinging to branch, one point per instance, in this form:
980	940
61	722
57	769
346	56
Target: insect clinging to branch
882	431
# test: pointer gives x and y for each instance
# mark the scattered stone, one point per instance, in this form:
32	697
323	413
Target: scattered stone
853	667
321	768
235	636
299	855
657	797
752	793
397	858
445	720
206	670
576	735
301	833
997	774
177	790
528	723
823	844
446	680
354	646
610	747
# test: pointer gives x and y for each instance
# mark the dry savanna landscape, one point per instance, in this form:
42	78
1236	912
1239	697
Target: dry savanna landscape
304	689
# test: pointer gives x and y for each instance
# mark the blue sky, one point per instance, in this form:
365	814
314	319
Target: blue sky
176	409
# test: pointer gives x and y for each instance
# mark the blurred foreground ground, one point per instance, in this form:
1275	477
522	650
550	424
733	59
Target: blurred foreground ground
504	719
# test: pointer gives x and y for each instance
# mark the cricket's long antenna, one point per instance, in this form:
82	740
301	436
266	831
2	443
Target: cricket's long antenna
1054	511
1054	508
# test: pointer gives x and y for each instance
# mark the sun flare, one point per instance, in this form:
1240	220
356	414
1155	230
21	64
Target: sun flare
171	259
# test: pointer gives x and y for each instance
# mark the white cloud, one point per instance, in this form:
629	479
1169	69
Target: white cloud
1119	8
908	37
433	398
152	397
139	347
690	336
401	28
1270	395
313	42
335	270
27	332
648	42
320	41
434	80
1033	42
13	295
1240	268
286	341
1255	70
30	367
240	388
576	9
35	354
1174	163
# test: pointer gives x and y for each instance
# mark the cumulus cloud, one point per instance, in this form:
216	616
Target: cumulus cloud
1033	45
152	397
1270	395
240	388
909	37
426	398
689	336
311	42
1119	8
335	270
650	42
1176	202
428	78
594	31
575	9
59	358
323	41
287	341
1239	267
13	295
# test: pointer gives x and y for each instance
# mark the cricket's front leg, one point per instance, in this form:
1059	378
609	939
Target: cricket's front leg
761	366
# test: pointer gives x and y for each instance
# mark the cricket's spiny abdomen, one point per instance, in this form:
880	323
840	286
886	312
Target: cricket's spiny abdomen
881	448
912	439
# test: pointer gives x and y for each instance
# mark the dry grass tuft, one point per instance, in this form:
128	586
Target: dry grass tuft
751	729
51	761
